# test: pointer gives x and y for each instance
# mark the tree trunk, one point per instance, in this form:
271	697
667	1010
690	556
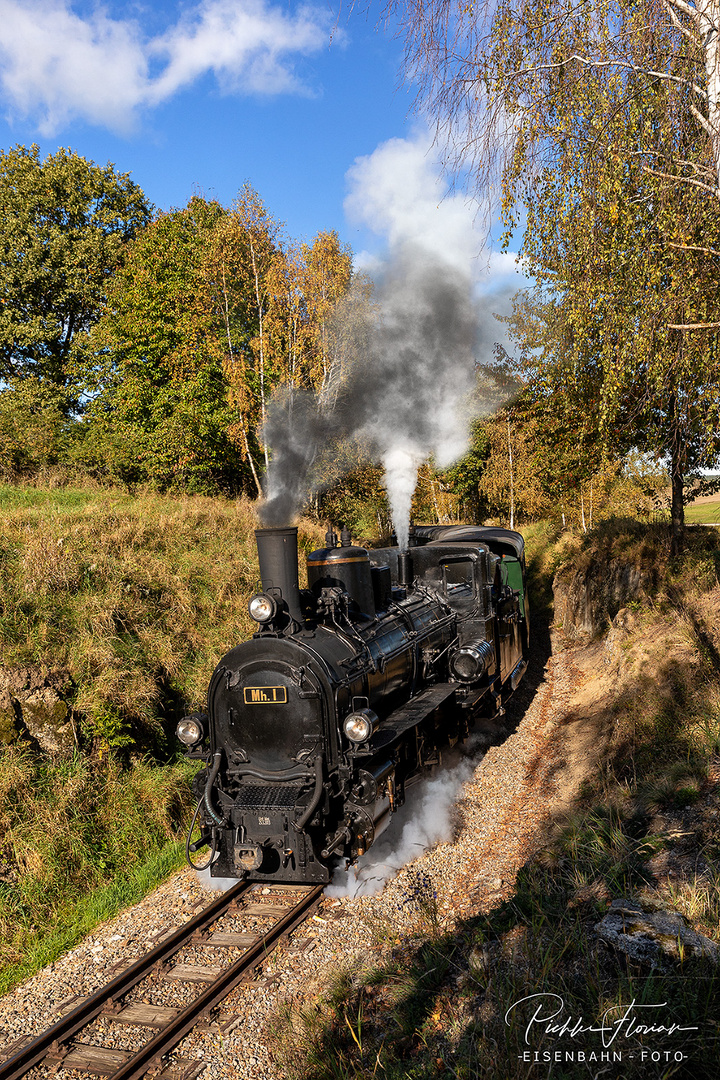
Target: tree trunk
677	511
436	504
707	21
591	501
261	312
231	355
582	510
677	478
250	458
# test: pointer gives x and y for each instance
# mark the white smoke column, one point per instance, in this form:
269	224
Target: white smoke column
401	469
424	820
403	363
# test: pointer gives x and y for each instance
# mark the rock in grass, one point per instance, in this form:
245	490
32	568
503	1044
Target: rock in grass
32	699
651	936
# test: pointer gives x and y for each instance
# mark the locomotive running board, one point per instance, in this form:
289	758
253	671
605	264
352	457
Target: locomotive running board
411	714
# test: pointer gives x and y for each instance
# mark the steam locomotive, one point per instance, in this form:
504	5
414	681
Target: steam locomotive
349	691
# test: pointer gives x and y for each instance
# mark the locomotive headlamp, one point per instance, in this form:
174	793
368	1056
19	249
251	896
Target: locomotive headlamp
359	725
189	731
472	660
262	608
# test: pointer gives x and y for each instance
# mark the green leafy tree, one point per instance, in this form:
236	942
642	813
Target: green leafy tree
463	478
65	226
356	498
162	412
35	432
211	311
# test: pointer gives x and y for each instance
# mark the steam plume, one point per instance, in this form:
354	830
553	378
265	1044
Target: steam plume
401	384
425	819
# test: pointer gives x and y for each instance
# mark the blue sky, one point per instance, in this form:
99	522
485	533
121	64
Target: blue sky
304	103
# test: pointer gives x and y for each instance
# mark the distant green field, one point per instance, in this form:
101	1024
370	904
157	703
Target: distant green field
704	512
57	500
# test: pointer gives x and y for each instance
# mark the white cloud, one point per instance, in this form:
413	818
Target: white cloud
397	192
400	194
244	44
56	66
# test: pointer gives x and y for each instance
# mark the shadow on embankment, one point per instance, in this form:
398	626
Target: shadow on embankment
643	826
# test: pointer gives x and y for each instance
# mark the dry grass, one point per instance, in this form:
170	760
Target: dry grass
135	598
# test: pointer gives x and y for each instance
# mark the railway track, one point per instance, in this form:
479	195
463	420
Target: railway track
61	1047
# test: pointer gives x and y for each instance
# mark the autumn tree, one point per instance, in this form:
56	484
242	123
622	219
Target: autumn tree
288	332
66	225
495	77
274	300
232	283
295	318
626	287
253	236
326	275
601	124
305	284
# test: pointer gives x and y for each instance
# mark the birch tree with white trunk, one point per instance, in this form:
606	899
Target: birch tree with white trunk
492	74
597	124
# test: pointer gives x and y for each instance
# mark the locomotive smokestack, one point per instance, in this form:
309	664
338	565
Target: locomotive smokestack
278	555
406	573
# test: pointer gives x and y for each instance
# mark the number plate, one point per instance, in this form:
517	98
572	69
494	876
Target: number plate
265	695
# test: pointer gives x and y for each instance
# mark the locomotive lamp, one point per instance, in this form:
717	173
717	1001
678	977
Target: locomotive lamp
472	660
262	608
359	725
189	731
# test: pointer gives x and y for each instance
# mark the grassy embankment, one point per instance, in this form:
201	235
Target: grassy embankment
131	601
435	1004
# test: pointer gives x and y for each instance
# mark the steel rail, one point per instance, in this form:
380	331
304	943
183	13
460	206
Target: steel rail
50	1040
150	1054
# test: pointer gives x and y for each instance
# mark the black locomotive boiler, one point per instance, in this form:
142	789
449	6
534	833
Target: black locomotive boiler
349	691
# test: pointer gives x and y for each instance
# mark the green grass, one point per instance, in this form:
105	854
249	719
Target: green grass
61	500
80	839
80	917
703	513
